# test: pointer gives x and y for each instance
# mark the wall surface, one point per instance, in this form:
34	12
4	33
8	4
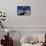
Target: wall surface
24	24
37	18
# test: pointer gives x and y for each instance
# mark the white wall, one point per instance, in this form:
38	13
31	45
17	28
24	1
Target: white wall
37	18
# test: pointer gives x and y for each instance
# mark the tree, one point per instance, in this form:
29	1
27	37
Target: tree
2	19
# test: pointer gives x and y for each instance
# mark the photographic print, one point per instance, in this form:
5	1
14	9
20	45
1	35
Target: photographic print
23	10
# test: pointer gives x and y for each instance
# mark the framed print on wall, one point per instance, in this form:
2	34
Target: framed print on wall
23	10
